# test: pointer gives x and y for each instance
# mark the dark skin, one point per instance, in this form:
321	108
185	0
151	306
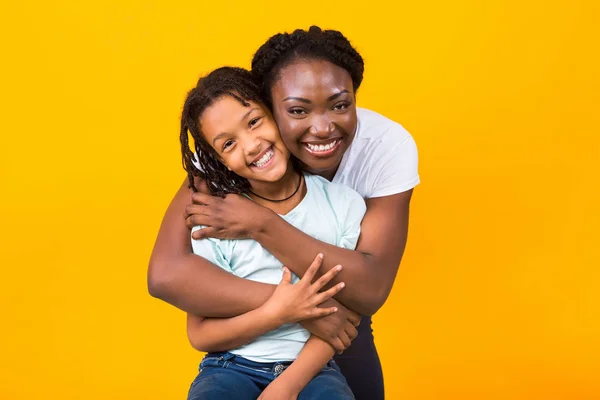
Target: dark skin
313	104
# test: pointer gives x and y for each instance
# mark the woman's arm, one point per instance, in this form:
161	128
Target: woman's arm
315	354
190	282
289	303
369	271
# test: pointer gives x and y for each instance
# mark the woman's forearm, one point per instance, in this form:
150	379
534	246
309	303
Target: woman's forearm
190	282
298	249
223	334
369	271
194	285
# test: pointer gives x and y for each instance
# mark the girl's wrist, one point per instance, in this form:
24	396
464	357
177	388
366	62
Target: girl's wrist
272	315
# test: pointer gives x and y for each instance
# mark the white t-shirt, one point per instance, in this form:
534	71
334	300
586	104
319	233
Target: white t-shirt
382	159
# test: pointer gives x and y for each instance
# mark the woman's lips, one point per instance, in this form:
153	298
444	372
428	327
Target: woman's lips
322	149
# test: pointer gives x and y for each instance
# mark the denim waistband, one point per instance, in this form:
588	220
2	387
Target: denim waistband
225	359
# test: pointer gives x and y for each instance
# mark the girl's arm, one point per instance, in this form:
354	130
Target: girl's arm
190	282
289	303
369	271
315	354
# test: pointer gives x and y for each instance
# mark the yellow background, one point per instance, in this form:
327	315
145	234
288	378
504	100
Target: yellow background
497	297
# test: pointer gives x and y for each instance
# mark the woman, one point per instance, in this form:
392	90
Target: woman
310	79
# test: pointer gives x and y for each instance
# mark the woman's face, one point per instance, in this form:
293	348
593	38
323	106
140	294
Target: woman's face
246	139
314	106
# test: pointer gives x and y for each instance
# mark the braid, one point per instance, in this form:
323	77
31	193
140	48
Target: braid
227	81
315	44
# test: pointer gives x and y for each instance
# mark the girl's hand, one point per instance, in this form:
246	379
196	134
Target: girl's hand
279	389
297	302
232	217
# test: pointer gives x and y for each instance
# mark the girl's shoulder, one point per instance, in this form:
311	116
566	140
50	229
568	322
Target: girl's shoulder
334	191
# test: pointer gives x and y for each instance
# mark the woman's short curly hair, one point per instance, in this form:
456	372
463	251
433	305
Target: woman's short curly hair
314	44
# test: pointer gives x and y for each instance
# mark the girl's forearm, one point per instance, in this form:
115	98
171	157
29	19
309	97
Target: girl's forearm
315	354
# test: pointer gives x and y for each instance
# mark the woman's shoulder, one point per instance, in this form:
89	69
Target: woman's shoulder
373	126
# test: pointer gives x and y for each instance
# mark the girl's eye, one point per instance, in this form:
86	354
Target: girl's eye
254	121
227	144
341	106
297	111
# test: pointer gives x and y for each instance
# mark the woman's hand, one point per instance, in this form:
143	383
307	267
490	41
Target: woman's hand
296	302
338	329
232	217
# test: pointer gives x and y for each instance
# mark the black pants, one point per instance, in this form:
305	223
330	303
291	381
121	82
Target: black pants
361	366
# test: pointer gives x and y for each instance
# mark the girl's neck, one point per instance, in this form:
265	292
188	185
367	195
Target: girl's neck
289	183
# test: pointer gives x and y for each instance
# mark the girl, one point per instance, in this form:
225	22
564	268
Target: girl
240	151
309	79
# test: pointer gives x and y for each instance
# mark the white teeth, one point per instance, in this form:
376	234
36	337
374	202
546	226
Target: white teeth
265	158
322	147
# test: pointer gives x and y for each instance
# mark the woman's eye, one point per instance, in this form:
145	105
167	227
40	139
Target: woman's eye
341	106
254	121
296	111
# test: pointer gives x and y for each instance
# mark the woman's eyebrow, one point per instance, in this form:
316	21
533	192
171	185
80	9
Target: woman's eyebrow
297	98
334	96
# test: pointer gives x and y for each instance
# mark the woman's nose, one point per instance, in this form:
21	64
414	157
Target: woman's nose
322	127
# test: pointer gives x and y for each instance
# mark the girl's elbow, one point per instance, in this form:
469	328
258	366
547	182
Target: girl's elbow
199	344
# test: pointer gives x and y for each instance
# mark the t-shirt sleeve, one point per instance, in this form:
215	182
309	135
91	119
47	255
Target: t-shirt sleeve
213	250
355	208
398	169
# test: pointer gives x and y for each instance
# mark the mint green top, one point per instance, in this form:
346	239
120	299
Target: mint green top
329	212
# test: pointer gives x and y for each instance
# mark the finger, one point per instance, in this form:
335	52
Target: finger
201	184
322	312
326	277
197	219
192	209
204	233
338	345
312	270
345	340
287	276
351	331
202	198
329	293
354	318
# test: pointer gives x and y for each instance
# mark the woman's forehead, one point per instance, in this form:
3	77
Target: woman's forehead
304	76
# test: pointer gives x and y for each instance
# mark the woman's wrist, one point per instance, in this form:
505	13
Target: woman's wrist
262	221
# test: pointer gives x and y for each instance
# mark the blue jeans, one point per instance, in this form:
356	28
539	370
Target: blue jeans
361	366
225	376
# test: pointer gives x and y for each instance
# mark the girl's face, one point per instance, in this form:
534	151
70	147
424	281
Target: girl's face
315	109
246	139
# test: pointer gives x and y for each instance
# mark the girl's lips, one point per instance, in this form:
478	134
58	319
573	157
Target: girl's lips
323	153
268	163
